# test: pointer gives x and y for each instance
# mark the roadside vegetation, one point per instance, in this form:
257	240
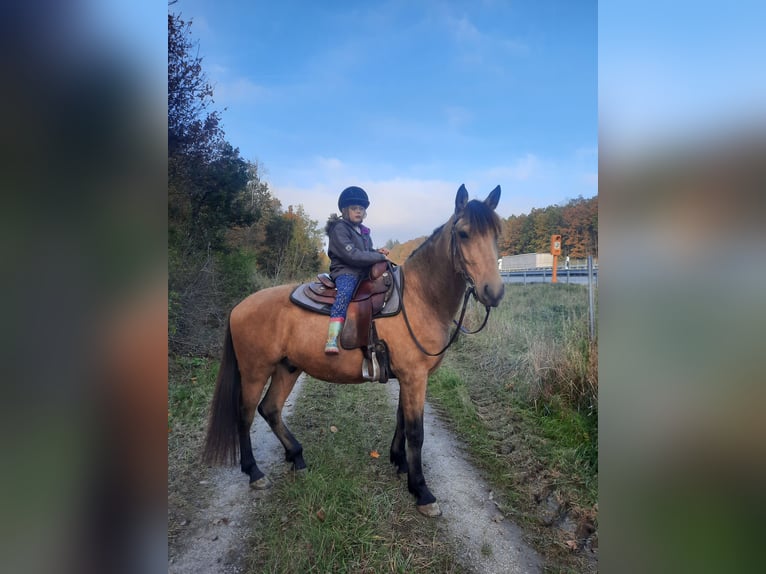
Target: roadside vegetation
191	381
523	396
349	512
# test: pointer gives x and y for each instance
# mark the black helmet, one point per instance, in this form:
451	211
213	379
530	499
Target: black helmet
353	196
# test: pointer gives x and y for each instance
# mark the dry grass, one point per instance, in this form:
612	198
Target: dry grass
524	397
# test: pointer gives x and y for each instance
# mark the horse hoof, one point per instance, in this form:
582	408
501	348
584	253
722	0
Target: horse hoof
431	510
260	484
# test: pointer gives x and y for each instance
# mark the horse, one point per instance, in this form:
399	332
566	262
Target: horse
269	337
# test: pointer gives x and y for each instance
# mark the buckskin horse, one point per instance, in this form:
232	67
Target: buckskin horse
268	337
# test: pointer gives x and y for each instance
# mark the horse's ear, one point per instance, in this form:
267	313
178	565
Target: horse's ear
493	198
461	199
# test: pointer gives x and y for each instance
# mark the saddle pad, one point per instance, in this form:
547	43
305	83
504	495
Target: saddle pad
392	306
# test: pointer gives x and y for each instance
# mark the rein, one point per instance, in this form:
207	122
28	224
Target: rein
456	254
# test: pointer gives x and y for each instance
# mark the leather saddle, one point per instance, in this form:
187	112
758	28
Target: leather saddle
374	297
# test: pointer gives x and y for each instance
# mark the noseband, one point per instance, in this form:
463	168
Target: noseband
459	265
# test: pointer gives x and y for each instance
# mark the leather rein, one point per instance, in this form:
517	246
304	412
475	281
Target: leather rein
458	263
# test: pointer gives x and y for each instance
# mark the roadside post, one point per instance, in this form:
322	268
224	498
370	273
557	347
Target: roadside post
555	251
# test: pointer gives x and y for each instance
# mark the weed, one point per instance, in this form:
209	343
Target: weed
523	395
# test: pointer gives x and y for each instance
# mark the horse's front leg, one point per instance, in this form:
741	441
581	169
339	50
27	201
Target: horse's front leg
411	402
398	453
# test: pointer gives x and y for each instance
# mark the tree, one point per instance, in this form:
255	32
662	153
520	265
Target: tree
292	247
206	176
190	130
580	231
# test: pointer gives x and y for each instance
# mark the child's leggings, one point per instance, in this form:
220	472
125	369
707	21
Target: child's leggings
345	285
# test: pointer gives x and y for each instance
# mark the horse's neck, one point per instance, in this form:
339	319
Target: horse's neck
431	277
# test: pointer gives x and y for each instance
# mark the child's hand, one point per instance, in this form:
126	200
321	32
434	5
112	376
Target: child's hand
384	251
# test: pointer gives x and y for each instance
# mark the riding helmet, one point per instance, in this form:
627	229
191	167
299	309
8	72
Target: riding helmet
353	196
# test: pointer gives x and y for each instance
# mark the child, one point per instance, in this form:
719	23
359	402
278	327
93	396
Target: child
351	256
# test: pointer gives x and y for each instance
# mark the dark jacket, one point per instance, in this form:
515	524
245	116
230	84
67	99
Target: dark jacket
350	252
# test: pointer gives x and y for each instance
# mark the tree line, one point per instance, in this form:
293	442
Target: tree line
576	222
227	234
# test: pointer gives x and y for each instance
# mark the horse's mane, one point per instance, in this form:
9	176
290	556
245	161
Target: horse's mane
480	217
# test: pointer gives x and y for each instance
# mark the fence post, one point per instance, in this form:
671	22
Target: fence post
591	311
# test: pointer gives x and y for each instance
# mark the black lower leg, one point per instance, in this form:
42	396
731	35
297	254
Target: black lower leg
398	456
293	449
247	460
416	482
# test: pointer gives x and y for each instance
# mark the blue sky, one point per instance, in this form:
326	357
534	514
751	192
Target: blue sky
408	99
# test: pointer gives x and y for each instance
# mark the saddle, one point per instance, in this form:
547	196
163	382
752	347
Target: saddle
374	297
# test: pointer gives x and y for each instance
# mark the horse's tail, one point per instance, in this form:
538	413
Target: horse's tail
223	428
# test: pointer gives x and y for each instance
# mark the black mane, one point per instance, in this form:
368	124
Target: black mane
480	217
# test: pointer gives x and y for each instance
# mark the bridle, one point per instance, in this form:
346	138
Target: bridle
459	265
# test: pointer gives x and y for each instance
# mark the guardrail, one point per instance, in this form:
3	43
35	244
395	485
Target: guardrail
576	276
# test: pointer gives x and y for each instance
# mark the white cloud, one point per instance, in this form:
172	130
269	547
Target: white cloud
400	208
330	163
457	116
240	90
403	208
524	168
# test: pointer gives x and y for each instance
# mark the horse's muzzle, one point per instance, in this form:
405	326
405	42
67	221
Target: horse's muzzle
491	296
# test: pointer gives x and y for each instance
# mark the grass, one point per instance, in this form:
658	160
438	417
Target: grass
349	512
523	396
190	389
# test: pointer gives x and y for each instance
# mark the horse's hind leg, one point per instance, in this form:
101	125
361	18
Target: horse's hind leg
282	383
252	389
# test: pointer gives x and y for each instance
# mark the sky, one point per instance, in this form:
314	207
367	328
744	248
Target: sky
407	99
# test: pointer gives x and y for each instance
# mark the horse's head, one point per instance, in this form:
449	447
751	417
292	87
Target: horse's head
475	229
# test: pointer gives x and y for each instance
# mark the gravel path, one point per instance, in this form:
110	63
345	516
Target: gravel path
487	542
215	543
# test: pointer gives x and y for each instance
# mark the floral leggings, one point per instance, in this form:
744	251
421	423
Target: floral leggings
346	284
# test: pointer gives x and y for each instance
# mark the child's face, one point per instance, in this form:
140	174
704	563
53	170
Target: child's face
356	214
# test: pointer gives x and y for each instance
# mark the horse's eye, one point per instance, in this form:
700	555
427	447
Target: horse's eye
462	234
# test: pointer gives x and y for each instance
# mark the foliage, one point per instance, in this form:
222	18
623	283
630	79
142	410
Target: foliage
401	251
227	234
577	222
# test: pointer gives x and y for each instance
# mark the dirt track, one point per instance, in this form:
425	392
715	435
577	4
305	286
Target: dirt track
486	541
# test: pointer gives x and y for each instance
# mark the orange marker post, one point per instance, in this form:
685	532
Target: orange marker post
555	251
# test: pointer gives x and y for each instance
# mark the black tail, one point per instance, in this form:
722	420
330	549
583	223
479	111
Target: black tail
223	429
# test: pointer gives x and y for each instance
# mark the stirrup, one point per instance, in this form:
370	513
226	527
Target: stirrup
375	376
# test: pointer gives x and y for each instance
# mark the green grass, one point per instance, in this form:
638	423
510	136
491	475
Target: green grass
523	395
190	390
191	381
349	512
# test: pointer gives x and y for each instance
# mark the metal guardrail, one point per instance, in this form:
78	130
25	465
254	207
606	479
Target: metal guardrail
577	276
561	269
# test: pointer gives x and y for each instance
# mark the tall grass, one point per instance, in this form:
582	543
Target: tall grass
523	395
537	341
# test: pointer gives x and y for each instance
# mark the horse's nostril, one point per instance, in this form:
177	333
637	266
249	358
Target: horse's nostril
493	298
